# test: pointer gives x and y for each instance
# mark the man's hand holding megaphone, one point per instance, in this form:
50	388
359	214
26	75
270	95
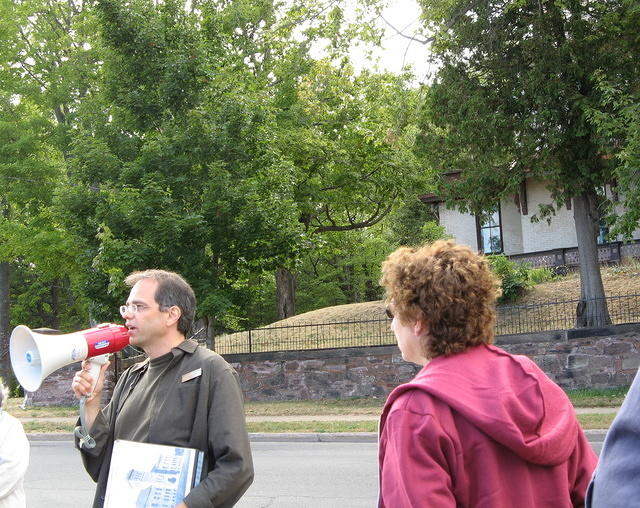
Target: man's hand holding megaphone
84	384
35	355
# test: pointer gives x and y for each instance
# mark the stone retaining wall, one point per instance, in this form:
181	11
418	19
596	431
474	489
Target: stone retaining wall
579	358
56	388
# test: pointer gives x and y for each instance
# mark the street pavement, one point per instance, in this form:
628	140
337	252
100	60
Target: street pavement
291	471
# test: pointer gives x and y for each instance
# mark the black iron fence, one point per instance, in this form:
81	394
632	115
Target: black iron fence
559	315
568	258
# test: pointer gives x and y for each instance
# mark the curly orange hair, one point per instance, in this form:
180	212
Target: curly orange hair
449	287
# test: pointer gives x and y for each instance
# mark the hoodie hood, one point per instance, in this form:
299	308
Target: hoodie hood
507	397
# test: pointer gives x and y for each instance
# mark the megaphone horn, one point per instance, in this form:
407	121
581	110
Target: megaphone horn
36	355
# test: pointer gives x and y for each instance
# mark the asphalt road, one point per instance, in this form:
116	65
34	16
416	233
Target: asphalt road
289	474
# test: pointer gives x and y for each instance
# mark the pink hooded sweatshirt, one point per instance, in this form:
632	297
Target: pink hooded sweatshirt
482	429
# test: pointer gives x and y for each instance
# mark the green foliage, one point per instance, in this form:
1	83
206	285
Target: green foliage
537	90
343	268
204	140
16	390
412	223
617	117
604	397
540	275
515	277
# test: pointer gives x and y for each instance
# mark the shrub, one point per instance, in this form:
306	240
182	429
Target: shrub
514	277
540	275
517	277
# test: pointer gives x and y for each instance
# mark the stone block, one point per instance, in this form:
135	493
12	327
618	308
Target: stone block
617	347
631	361
577	361
601	380
623	378
601	362
551	364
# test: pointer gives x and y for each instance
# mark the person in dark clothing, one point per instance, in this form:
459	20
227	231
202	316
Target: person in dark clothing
615	480
181	395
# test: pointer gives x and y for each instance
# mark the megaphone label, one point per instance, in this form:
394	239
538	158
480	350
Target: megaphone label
77	354
102	344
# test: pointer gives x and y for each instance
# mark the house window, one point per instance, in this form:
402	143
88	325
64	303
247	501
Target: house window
490	233
603	232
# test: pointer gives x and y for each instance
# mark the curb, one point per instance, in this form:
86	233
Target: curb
596	434
315	437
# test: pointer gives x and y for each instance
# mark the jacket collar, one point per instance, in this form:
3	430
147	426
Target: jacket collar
188	346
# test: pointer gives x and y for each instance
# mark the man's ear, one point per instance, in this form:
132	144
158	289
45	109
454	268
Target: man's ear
173	315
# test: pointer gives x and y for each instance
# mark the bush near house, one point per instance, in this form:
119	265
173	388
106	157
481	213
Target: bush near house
517	277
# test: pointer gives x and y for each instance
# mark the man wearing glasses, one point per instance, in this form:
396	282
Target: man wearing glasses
182	395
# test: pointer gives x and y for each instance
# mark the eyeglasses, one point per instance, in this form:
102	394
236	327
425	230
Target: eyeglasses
132	308
388	312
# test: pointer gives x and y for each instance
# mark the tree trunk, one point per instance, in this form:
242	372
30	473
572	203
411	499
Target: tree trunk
592	308
55	304
5	363
285	293
210	324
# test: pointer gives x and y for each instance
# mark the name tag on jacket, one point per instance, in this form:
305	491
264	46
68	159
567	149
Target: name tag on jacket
190	375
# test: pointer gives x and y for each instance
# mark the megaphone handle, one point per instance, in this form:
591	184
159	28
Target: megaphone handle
96	364
81	432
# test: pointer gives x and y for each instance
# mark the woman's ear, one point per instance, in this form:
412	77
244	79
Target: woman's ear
420	328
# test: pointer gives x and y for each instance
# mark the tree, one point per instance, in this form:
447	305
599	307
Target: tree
349	137
27	175
261	145
201	137
45	68
513	98
173	161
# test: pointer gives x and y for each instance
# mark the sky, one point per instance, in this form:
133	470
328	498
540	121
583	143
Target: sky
397	51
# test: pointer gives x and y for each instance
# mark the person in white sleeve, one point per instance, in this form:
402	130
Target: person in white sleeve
14	457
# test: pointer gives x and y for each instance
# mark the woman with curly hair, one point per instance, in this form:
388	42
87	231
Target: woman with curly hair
477	427
14	457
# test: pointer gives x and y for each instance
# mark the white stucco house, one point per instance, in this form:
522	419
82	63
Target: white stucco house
511	232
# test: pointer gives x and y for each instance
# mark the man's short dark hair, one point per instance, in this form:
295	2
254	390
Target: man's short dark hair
172	290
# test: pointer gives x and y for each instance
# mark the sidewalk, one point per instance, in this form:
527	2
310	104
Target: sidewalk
596	410
316	418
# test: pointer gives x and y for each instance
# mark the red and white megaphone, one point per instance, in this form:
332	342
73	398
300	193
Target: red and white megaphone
36	355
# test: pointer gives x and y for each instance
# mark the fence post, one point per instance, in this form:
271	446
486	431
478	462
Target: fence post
250	340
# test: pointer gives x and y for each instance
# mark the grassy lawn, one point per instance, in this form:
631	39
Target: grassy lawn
46	427
355	406
588	421
607	397
12	406
610	397
595	421
365	324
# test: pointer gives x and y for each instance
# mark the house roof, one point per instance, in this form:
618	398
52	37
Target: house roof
432	198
